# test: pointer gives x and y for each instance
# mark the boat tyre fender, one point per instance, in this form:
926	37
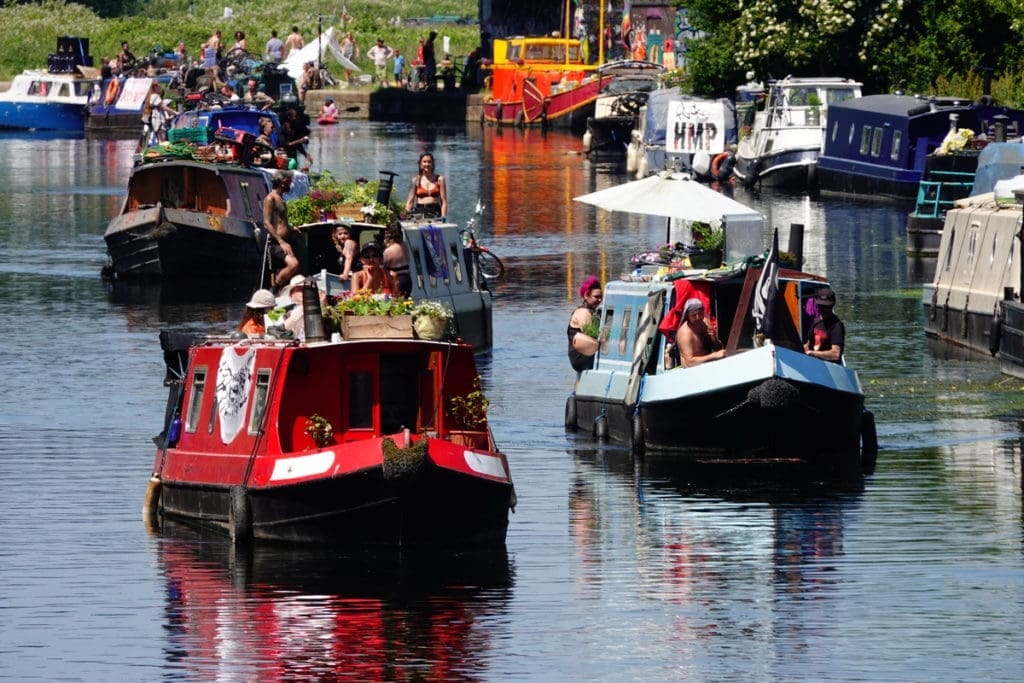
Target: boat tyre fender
239	516
588	141
601	427
995	334
636	433
570	412
641	166
716	166
631	155
112	89
868	442
753	171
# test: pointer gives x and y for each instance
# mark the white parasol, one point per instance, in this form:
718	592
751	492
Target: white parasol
672	195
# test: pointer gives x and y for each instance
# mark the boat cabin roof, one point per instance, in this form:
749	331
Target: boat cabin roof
240	118
521	50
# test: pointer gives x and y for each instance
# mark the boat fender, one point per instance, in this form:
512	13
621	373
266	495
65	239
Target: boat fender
112	89
753	171
631	155
702	163
151	503
716	167
868	442
570	411
498	110
601	427
588	141
636	433
641	166
995	334
239	516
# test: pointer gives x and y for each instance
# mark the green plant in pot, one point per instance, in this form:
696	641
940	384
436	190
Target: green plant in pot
709	241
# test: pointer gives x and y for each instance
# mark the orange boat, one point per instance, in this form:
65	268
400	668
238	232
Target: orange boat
542	80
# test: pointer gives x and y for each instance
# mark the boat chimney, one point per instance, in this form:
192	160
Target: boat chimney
953	118
312	317
999	124
796	244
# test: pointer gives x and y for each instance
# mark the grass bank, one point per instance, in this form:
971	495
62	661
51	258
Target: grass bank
31	31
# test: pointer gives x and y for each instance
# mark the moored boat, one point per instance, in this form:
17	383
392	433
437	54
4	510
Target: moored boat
974	300
374	442
877	146
786	138
625	87
55	98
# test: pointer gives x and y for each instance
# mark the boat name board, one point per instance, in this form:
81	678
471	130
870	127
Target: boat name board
695	127
302	466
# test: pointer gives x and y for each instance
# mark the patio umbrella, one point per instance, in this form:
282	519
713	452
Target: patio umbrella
669	194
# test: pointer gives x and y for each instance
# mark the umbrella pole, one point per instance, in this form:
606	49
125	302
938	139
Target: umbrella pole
668	231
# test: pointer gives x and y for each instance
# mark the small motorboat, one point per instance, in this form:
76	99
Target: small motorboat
380	441
54	98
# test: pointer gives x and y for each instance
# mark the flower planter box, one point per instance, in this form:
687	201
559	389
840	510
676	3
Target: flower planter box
376	327
469	438
349	211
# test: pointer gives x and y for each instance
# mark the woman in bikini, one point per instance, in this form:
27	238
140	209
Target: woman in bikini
429	194
373	277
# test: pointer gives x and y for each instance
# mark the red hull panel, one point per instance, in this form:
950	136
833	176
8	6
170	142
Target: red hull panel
565	108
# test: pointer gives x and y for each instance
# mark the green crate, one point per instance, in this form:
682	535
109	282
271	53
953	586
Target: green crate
200	135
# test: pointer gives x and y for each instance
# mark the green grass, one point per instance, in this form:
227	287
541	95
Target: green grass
31	31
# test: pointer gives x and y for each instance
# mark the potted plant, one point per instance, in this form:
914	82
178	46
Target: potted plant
813	109
366	315
708	241
329	198
320	430
470	411
430	319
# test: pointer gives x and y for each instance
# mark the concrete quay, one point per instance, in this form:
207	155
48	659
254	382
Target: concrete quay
397	104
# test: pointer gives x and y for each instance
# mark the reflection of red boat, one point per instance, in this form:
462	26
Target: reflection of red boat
287	613
401	465
542	81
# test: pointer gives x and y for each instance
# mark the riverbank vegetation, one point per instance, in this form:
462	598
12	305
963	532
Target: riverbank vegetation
942	47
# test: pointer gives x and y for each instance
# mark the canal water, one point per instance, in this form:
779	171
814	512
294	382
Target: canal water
613	570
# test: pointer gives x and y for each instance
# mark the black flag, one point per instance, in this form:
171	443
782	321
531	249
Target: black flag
764	311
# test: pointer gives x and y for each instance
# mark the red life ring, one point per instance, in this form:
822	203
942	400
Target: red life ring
112	89
716	163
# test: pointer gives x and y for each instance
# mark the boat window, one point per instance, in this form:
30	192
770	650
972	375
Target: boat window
360	400
606	328
195	399
82	87
852	131
417	264
897	139
627	313
399	392
876	142
1009	256
972	242
512	53
992	256
865	140
833	95
211	419
64	90
456	261
259	401
835	130
33	88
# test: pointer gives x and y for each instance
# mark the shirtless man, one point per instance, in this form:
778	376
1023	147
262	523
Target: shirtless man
294	41
287	242
693	338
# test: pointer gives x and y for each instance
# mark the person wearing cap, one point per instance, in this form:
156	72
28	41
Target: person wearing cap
695	340
380	54
827	335
373	277
253	323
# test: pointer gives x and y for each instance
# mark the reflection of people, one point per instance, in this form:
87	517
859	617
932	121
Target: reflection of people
373	277
253	323
286	242
396	259
429	193
696	342
581	352
827	336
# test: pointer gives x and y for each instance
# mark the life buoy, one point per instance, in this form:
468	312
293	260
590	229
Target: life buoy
113	88
716	165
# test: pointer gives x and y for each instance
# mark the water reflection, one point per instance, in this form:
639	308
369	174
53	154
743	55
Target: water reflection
304	614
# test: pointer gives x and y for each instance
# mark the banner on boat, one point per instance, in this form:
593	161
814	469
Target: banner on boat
695	126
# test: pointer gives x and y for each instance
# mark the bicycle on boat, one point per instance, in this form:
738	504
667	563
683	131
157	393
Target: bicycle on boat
485	263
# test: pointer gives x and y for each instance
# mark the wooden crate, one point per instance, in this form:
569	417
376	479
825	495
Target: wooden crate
376	327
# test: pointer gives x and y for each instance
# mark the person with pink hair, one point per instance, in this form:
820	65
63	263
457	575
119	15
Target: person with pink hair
582	348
